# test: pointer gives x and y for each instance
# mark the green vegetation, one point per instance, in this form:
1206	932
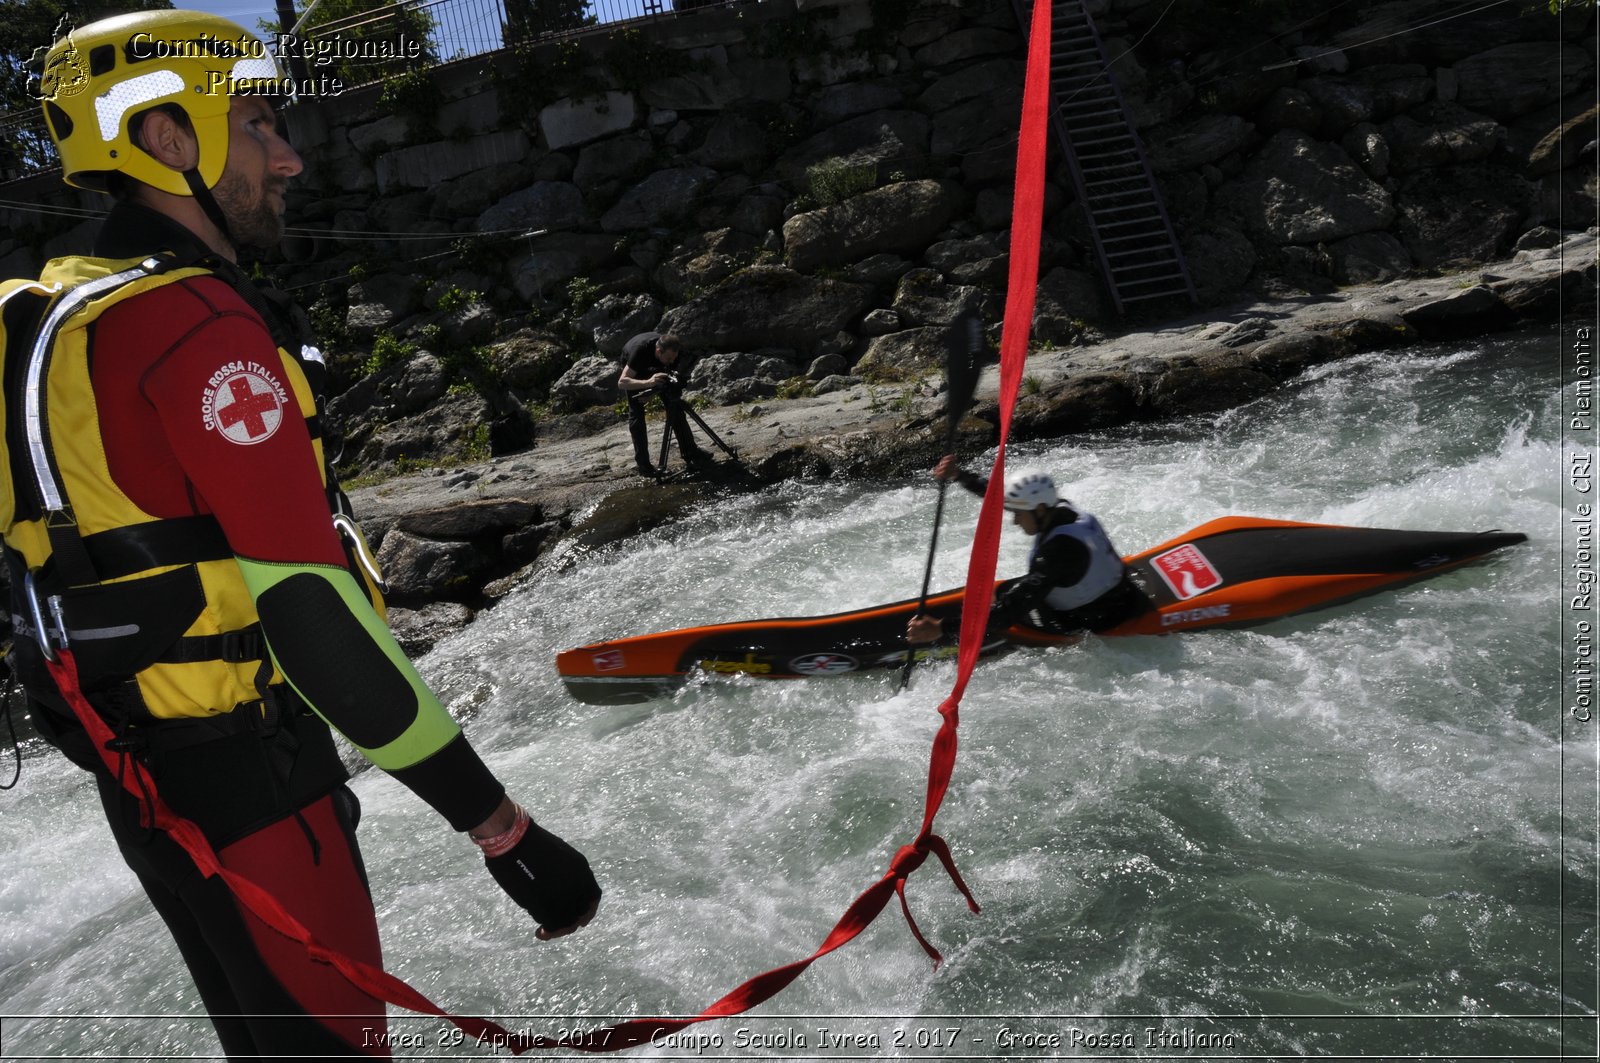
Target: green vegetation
835	180
415	97
387	350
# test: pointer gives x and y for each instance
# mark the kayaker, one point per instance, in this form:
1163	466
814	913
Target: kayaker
1076	580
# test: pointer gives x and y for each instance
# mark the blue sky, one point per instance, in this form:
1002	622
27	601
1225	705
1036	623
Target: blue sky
244	12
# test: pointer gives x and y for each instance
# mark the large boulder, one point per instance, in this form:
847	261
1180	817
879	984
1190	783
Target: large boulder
1439	134
1220	260
557	258
902	218
1513	79
703	260
570	122
613	159
1193	144
902	353
380	301
1066	300
924	298
889	140
590	382
767	306
1459	215
661	198
1297	190
615	319
1369	258
542	205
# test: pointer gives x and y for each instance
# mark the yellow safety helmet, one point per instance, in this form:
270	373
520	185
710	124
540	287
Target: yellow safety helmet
96	78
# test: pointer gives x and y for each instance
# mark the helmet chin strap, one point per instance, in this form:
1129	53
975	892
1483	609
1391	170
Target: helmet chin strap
208	203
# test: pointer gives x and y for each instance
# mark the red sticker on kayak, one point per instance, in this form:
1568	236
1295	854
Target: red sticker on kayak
609	661
1187	571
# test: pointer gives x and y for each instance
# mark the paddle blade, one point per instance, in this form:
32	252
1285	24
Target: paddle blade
962	354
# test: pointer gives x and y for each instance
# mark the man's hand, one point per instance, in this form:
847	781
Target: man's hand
946	470
923	629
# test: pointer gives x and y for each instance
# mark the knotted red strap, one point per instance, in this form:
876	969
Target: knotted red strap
373	981
1027	217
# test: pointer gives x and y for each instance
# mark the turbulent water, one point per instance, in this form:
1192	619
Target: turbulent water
1363	832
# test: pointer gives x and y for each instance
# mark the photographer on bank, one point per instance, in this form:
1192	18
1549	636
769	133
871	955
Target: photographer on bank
650	366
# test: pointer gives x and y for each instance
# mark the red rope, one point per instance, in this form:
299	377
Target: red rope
1027	217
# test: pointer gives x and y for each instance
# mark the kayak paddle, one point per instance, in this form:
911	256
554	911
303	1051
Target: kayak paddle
963	348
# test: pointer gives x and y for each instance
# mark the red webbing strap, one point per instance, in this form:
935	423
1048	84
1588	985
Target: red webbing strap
374	981
1027	218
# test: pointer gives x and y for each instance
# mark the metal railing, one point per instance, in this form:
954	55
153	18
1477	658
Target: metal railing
398	38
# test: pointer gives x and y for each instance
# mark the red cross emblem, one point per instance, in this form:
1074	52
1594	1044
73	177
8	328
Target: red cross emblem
247	408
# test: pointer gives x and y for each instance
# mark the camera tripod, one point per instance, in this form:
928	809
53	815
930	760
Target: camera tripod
666	430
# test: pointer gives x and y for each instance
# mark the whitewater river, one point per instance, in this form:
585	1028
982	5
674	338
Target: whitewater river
1366	832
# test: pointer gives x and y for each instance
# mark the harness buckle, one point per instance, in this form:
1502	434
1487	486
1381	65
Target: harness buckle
43	634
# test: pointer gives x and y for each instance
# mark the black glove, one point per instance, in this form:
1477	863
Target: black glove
546	876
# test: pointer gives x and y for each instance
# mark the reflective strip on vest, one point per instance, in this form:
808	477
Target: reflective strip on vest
1105	566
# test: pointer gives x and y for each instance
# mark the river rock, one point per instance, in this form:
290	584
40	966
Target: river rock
977	81
1065	301
1365	144
924	298
1469	313
570	122
1205	139
735	141
889	140
419	630
1440	134
703	260
1561	146
419	568
556	258
1513	79
837	103
543	205
379	302
529	361
615	319
1458	214
1368	258
720	370
1296	190
590	382
1342	104
902	218
662	197
1220	260
909	351
613	159
967	44
767	306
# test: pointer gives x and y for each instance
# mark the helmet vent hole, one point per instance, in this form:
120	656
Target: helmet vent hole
60	122
102	60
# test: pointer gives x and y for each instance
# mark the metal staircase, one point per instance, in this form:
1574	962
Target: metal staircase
1133	238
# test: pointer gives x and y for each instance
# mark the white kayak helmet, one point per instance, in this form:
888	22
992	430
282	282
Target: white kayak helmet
1028	489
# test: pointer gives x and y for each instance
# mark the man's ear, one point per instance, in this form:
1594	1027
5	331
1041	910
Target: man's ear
168	142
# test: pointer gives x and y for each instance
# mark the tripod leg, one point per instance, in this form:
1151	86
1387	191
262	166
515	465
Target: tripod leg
666	443
707	430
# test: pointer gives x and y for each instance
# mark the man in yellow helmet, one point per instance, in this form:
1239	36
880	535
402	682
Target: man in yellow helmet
170	518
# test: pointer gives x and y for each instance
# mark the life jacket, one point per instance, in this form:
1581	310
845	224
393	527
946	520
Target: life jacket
1105	565
155	609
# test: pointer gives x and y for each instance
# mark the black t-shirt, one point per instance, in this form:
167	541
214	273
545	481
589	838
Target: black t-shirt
639	355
